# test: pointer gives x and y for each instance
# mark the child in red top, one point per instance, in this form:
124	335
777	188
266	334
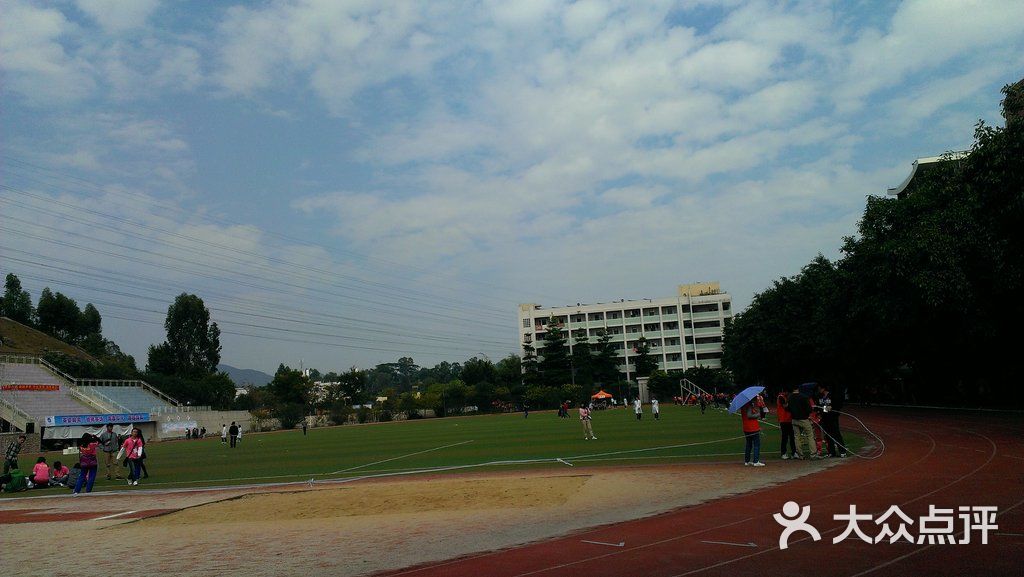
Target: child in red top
786	425
751	415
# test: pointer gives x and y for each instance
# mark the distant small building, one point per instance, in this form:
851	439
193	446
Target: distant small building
921	167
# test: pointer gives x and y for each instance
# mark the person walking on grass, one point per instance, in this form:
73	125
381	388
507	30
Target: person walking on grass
751	414
588	430
110	444
638	409
87	462
133	451
11	455
655	410
703	403
233	433
785	425
223	434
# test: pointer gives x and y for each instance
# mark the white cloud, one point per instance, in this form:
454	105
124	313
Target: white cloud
34	59
119	16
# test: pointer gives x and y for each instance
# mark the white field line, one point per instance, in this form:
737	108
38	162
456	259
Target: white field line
114	515
399	457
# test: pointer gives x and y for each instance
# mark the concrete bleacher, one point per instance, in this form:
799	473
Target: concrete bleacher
40	404
133	398
29	373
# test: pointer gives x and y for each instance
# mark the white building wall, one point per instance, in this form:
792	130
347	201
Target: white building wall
684	331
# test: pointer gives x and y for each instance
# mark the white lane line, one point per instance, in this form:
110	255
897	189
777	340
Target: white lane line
620	544
564	462
114	515
399	457
750	544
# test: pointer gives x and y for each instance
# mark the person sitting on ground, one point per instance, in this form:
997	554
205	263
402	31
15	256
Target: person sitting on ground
59	474
73	474
40	474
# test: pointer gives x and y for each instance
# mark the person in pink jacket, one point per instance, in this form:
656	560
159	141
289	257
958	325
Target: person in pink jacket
41	474
133	451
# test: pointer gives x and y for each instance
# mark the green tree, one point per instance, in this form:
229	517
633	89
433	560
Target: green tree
290	386
477	370
58	315
16	304
193	346
554	365
644	362
582	362
605	360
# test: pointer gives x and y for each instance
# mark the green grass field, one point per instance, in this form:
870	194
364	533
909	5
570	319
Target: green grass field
391	448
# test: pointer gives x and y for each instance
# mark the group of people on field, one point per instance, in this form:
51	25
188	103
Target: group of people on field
118	451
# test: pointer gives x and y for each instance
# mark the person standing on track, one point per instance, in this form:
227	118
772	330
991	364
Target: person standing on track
830	423
799	407
588	430
638	409
751	414
785	424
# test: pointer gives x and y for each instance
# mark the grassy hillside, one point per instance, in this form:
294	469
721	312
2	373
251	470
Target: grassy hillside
22	340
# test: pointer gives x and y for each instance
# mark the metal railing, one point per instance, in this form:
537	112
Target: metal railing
16	413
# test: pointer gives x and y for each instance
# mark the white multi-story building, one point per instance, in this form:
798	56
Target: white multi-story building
684	331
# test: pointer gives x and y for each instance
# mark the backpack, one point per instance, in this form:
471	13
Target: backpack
17	482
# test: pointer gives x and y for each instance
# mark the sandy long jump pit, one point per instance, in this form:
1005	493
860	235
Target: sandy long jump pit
353	528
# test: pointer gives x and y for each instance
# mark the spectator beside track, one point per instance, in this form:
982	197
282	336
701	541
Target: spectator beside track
751	414
110	444
830	422
40	478
11	454
59	474
785	425
799	407
88	463
133	451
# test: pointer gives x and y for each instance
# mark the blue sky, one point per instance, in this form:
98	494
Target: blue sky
349	182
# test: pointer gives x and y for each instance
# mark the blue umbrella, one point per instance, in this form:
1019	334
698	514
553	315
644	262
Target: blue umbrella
743	398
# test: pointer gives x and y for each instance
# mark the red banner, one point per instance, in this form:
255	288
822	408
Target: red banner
31	387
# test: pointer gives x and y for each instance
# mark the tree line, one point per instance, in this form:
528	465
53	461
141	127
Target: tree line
923	306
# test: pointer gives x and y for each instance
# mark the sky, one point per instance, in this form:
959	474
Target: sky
348	182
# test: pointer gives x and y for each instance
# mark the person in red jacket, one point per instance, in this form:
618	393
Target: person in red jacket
751	414
785	425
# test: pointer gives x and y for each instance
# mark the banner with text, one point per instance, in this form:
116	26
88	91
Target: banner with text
66	420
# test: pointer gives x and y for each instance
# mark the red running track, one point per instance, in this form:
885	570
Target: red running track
945	459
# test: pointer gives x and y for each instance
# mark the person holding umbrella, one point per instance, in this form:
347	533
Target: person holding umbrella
750	407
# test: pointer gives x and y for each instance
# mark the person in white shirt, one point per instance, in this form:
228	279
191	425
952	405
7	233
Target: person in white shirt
638	408
588	431
223	434
654	408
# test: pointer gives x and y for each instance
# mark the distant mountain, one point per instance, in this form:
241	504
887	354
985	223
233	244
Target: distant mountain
243	377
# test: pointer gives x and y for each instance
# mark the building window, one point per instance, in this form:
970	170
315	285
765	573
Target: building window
706	324
726	306
706	340
668	310
706	308
632	313
632	328
652	327
671	326
651	312
615	315
595	316
526	323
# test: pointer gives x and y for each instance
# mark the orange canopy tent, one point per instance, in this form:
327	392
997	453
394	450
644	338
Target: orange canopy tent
601	395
